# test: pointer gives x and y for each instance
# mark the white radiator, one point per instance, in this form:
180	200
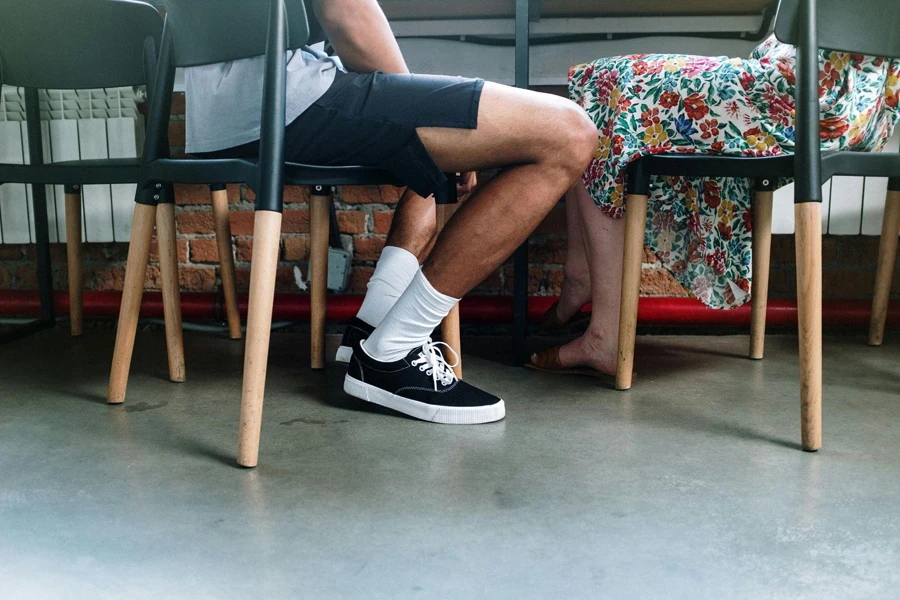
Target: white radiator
87	124
851	205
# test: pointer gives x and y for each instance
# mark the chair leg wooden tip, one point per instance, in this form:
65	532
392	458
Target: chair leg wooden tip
247	457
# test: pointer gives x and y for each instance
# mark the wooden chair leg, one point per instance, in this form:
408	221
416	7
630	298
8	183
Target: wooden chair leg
263	266
808	222
226	261
450	333
762	254
635	222
171	292
133	289
450	324
74	252
887	256
319	206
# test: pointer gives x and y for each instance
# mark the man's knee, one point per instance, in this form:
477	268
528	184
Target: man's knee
571	136
579	135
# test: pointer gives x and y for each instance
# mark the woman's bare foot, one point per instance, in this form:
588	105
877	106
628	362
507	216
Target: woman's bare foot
590	350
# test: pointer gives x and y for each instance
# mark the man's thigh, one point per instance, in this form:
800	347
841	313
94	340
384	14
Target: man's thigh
515	126
372	119
419	126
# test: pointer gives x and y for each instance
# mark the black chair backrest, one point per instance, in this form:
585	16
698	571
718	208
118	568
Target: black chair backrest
212	31
75	43
869	27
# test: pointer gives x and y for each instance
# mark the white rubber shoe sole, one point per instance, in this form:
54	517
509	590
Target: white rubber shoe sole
344	354
449	415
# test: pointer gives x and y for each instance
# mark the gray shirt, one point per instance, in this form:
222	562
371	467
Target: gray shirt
223	101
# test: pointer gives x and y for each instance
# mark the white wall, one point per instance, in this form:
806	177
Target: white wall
549	64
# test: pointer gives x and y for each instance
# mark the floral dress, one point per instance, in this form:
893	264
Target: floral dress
700	228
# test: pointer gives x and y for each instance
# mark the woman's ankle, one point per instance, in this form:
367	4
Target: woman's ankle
573	296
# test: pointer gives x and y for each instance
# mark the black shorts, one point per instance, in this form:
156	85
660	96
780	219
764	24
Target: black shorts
370	119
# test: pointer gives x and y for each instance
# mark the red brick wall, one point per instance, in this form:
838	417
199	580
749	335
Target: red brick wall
364	216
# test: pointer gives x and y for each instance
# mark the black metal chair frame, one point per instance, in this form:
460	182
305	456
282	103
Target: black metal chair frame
240	30
33	65
124	38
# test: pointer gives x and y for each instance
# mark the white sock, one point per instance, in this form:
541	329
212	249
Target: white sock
393	274
410	322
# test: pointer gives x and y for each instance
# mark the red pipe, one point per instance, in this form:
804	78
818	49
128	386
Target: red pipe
474	309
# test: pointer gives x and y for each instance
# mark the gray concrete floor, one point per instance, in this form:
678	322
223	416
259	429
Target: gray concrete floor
689	486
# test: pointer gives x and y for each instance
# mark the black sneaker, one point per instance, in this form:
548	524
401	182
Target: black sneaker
357	330
421	385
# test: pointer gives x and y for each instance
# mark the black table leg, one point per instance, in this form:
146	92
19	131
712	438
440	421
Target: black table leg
520	258
520	304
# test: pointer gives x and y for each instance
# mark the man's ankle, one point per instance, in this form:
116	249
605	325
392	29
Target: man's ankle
410	322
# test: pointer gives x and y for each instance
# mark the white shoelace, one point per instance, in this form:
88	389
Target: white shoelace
432	362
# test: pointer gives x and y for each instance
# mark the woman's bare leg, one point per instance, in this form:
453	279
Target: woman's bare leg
604	238
576	287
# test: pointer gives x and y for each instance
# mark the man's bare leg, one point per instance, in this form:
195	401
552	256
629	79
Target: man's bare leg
414	225
548	141
409	241
544	143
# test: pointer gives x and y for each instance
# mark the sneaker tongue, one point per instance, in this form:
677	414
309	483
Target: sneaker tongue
415	353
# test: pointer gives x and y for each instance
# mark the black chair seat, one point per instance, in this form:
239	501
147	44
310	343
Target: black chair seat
868	164
700	165
862	164
234	170
299	174
74	172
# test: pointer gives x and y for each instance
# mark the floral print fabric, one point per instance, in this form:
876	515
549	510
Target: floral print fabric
700	229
